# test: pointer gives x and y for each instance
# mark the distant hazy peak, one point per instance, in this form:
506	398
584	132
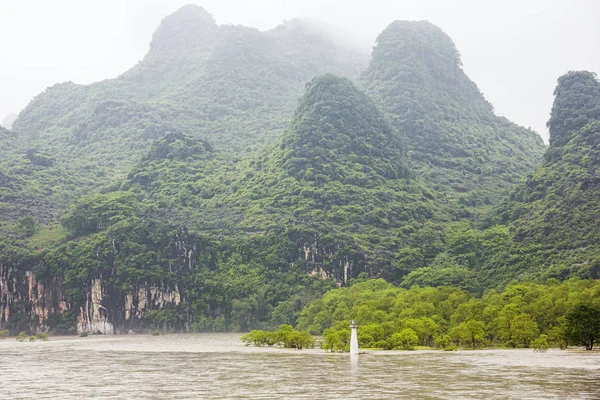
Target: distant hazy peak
426	41
419	55
189	27
576	103
190	12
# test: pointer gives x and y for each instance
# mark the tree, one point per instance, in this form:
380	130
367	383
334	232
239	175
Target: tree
523	329
406	339
583	324
337	341
540	344
27	226
476	331
470	332
425	328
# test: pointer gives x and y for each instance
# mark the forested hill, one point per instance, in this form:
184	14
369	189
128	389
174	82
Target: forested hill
554	215
339	180
337	185
234	86
455	140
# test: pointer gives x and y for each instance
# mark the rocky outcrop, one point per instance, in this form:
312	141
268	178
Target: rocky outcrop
102	312
7	293
332	262
93	316
21	293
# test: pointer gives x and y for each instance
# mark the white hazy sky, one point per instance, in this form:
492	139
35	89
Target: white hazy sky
513	49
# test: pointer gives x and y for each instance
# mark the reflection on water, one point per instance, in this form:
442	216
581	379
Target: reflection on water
354	365
219	366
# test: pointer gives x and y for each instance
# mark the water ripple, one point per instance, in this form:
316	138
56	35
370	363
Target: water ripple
218	366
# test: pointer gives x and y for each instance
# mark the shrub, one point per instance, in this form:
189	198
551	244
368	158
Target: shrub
442	341
540	344
260	338
286	337
451	347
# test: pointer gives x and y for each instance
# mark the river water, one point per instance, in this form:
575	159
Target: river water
219	366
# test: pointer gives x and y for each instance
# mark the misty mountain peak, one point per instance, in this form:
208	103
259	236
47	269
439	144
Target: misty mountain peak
415	75
190	13
419	43
576	103
188	28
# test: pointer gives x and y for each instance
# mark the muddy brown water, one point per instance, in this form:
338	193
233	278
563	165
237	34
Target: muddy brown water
219	366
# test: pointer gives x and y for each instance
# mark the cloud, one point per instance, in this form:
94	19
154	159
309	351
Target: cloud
513	50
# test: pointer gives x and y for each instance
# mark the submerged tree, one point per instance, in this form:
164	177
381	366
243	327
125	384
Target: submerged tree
583	324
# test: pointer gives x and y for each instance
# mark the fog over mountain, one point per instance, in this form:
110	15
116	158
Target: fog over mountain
8	121
513	50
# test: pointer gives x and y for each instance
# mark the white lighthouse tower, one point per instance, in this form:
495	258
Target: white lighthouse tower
353	338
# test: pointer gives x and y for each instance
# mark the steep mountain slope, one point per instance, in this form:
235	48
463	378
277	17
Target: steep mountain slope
7	183
21	193
454	139
337	185
338	180
554	215
234	86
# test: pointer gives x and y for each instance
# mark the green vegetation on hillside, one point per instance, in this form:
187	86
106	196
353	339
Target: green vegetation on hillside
455	141
233	86
339	180
392	317
336	185
553	215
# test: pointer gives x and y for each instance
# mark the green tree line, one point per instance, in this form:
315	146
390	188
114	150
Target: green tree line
391	317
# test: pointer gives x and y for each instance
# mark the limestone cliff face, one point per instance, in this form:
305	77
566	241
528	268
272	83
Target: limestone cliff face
20	292
7	293
105	311
332	261
102	303
100	314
